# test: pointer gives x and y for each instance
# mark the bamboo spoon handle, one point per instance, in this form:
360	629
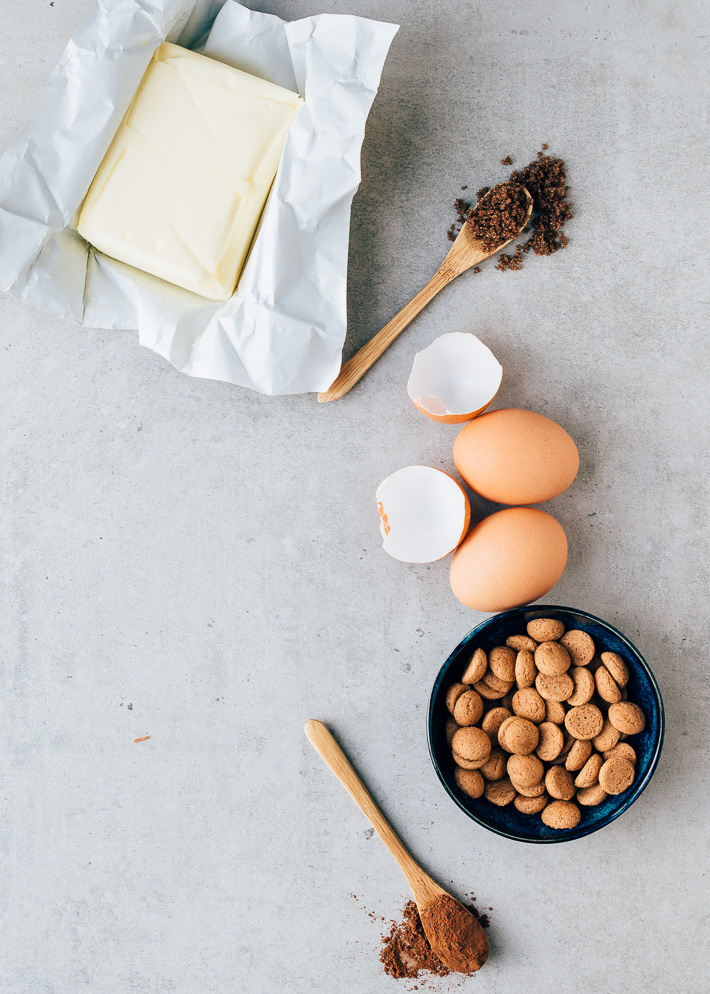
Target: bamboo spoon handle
334	757
356	367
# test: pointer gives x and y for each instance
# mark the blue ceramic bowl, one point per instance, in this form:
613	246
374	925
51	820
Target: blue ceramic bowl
642	688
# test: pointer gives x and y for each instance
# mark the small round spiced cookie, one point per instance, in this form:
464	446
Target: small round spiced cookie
627	717
589	774
545	629
528	704
623	751
561	814
518	735
472	745
578	755
494	767
520	642
468	708
501	662
500	792
476	669
485	690
607	687
496	683
559	783
583	686
552	659
551	741
493	720
453	694
554	688
591	796
607	738
584	722
507	700
525	770
449	729
525	669
469	781
580	646
616	775
530	805
554	711
617	667
537	790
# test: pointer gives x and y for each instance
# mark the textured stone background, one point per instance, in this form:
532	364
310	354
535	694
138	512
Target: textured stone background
191	561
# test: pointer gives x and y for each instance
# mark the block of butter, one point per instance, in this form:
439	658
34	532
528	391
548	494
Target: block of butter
181	189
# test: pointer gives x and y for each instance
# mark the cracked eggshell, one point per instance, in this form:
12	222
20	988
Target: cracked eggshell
424	514
454	379
511	558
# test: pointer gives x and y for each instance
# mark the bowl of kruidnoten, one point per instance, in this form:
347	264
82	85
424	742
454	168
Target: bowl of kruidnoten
545	724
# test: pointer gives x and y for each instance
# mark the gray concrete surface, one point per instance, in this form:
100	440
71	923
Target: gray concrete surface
190	561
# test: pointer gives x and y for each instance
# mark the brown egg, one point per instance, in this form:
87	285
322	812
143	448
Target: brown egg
510	558
516	457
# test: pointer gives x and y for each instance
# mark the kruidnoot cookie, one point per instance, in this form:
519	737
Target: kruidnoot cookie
531	805
623	750
494	767
584	722
589	773
501	662
607	738
485	690
518	735
578	755
550	742
561	814
580	646
493	720
453	694
555	711
552	659
525	669
607	687
520	642
617	667
559	783
554	688
496	683
525	770
545	629
537	790
591	796
500	792
627	717
584	686
616	775
527	703
469	781
476	669
468	708
449	728
472	745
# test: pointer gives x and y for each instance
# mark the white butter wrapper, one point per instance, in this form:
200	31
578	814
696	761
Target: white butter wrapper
283	329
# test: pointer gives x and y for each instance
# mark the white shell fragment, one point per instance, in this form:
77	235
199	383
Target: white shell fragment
424	514
454	379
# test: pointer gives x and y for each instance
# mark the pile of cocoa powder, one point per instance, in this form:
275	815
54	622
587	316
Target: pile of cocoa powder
545	179
406	953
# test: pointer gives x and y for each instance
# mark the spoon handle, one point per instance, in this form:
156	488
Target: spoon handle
331	753
356	367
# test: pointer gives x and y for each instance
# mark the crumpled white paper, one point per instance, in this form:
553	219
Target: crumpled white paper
283	330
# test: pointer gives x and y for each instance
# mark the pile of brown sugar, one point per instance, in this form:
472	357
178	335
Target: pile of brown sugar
545	179
499	215
406	952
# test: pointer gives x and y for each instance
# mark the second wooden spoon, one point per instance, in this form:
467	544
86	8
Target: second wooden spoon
455	936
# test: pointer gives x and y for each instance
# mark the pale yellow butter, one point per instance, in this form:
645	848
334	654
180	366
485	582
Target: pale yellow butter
180	191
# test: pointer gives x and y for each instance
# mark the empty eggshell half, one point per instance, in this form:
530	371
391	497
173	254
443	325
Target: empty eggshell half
424	514
454	379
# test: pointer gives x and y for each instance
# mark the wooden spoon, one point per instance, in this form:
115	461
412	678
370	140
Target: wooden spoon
463	948
465	253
